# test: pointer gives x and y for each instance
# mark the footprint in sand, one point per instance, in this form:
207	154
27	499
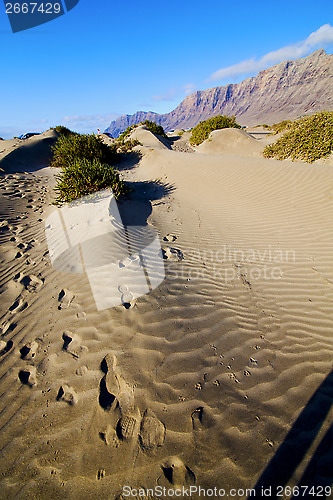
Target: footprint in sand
72	344
28	376
177	473
152	432
29	351
19	305
67	394
113	388
31	283
65	298
7	326
128	426
18	229
5	346
202	419
172	254
170	237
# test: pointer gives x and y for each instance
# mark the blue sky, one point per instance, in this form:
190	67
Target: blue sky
107	58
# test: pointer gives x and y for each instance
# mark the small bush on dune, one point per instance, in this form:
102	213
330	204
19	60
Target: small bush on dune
70	148
151	126
64	131
154	128
127	132
281	126
308	139
127	146
85	176
201	132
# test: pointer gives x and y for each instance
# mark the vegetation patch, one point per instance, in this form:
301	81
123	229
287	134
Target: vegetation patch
64	131
201	132
126	146
154	128
127	132
281	126
74	147
85	176
151	126
308	139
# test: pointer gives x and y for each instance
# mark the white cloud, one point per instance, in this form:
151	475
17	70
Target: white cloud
189	88
167	96
90	118
89	123
320	38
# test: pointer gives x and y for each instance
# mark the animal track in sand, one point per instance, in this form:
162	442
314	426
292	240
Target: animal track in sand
67	394
29	351
81	371
81	315
65	298
109	436
72	344
152	432
100	474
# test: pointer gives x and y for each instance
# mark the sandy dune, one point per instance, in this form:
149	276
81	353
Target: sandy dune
142	134
206	381
28	154
231	141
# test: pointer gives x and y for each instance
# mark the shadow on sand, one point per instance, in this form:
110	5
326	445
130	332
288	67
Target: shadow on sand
136	209
319	471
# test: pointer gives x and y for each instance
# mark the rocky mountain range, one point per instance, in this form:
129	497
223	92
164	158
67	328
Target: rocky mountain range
284	91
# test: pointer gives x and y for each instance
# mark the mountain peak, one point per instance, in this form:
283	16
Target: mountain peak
284	91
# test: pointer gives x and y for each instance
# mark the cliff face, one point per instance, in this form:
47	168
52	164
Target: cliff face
284	91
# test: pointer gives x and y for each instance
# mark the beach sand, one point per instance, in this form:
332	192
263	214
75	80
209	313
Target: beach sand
220	377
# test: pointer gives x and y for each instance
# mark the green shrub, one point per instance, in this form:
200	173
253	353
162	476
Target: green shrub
64	131
85	176
127	146
308	139
281	126
76	146
127	132
151	126
201	132
154	128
